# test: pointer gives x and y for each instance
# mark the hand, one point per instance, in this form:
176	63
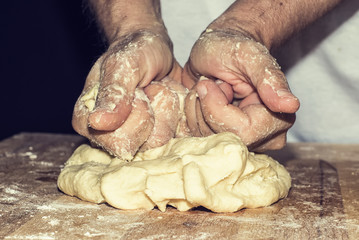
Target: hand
244	90
121	119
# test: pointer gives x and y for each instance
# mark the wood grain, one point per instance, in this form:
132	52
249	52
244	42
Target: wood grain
322	204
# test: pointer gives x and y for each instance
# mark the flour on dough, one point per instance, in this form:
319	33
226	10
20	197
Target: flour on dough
216	172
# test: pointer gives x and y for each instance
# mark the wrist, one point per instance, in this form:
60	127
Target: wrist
137	37
271	22
236	26
118	18
131	26
254	19
136	30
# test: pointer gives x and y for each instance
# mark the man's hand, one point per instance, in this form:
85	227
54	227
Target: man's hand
130	62
124	112
251	97
117	108
156	117
244	90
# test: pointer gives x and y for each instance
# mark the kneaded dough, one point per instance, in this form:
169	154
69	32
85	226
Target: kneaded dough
216	172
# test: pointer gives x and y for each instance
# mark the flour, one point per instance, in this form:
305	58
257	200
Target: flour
31	155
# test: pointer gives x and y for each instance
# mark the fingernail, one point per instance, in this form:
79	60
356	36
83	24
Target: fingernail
202	91
201	78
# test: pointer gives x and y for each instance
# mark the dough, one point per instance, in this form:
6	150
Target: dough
216	172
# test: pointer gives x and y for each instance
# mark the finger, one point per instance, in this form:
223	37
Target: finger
181	92
226	89
119	78
87	98
191	115
94	76
267	78
275	93
253	123
166	109
125	141
188	78
204	129
176	73
250	100
242	89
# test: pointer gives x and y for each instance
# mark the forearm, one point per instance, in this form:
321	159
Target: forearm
120	17
271	22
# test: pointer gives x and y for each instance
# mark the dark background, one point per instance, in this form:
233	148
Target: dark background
47	49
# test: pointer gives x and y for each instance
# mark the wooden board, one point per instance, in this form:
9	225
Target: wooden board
322	204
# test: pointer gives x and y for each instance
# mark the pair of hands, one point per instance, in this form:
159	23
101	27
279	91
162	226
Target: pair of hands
230	83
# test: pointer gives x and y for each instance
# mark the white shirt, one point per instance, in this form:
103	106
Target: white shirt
321	65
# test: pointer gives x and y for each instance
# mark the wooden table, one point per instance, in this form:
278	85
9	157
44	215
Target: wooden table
323	202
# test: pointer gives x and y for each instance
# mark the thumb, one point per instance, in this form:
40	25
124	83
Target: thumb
274	91
115	94
266	77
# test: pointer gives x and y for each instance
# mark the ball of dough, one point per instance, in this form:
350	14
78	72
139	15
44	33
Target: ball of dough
216	172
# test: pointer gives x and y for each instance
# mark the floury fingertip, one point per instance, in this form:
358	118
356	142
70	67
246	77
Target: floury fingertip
201	90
